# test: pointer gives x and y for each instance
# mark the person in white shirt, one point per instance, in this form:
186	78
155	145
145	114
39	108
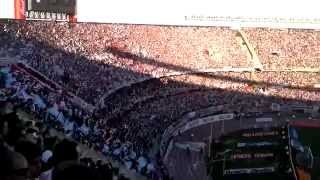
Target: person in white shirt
84	129
150	168
142	162
37	100
106	149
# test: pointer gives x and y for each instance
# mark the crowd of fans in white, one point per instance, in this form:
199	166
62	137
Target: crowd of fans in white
28	147
20	89
91	60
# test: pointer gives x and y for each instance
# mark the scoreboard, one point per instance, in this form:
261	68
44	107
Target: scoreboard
50	9
255	153
58	6
61	10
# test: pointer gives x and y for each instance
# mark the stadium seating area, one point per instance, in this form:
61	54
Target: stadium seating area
29	148
286	48
84	55
121	70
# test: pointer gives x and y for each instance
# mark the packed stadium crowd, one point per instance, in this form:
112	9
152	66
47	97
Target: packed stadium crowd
162	110
267	83
129	136
278	48
81	56
93	59
28	148
20	90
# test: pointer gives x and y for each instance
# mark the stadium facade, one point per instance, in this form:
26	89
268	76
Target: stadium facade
229	13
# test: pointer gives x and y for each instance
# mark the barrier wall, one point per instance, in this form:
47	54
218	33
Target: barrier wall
185	126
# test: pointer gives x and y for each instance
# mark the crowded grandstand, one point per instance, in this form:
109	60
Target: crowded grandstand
116	101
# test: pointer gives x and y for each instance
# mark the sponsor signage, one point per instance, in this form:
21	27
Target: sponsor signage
251	156
249	170
256	144
266	119
260	134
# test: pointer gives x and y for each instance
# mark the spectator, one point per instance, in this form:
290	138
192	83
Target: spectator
17	166
11	128
65	151
68	170
32	152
